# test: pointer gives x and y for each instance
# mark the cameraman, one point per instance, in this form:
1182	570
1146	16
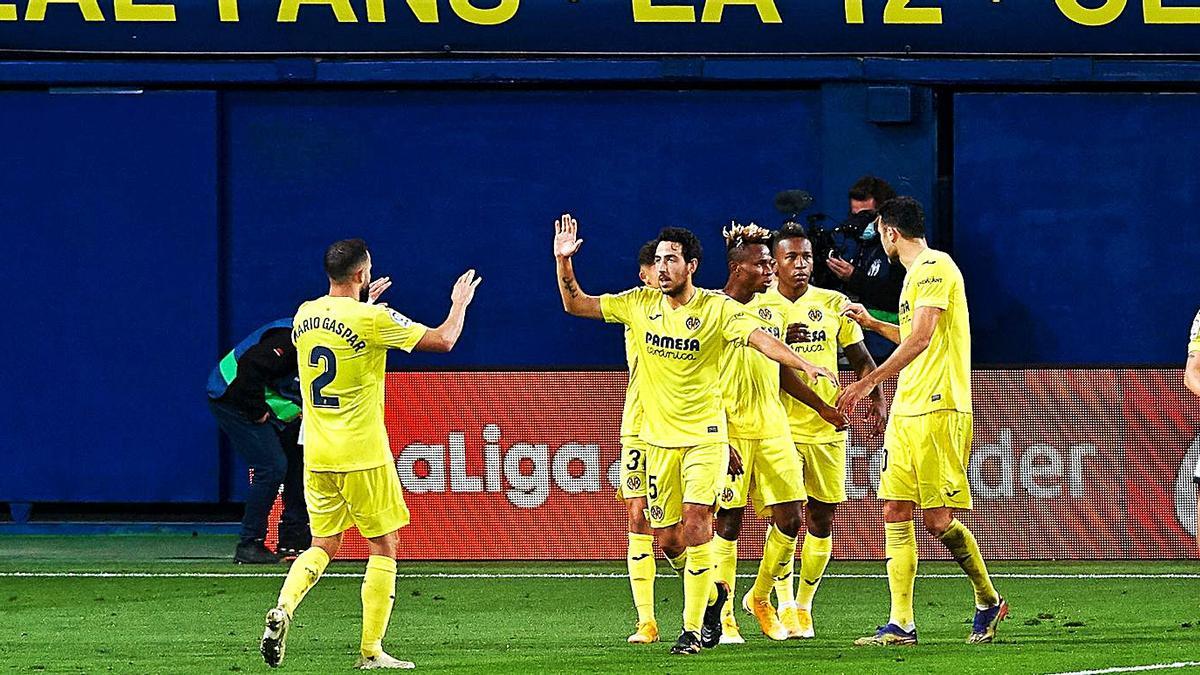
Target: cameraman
869	275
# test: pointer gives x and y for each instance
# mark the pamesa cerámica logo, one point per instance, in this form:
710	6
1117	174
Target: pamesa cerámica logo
1185	490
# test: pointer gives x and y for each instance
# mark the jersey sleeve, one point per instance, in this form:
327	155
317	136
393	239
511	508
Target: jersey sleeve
619	307
934	282
849	332
736	322
1194	343
393	330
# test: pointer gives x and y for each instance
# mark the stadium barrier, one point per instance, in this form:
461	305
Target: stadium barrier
1067	464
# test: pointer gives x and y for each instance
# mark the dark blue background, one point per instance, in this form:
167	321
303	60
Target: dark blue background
150	231
1074	225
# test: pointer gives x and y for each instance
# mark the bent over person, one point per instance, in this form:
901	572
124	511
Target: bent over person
350	480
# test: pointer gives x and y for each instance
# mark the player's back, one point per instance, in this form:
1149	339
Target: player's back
341	346
940	377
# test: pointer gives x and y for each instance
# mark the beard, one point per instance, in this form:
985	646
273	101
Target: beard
364	293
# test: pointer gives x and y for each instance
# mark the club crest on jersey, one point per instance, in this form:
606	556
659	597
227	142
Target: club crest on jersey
656	513
634	482
815	314
692	323
727	495
765	313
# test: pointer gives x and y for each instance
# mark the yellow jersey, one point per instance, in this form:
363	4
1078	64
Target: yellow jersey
820	311
940	378
1194	345
750	380
342	345
679	361
631	415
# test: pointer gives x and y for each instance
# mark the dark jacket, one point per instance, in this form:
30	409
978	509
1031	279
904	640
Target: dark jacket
876	281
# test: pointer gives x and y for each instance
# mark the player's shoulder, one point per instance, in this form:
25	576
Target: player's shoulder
828	297
934	258
1194	333
380	313
637	294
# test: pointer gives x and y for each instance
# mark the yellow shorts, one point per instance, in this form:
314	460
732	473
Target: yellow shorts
370	499
925	460
676	476
824	470
633	467
771	474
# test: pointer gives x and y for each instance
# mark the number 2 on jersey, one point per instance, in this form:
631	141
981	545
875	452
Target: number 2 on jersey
315	358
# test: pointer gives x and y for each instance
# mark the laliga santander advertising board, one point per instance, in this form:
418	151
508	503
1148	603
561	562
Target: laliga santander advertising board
1088	464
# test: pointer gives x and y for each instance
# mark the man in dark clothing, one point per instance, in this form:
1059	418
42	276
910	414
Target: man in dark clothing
254	393
869	276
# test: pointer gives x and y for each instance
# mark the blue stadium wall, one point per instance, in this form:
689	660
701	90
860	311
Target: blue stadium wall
157	210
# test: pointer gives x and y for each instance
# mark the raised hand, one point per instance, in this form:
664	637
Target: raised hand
566	243
377	288
464	289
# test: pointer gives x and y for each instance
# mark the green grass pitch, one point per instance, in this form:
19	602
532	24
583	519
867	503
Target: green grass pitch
201	624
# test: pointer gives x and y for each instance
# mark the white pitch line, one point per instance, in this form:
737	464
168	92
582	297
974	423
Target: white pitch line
1136	669
545	575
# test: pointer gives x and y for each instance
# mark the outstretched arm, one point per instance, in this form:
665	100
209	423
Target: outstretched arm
862	317
925	320
780	353
797	389
862	363
566	245
444	337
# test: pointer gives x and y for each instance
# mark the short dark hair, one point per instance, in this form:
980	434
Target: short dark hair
344	257
646	253
790	230
904	214
685	238
872	187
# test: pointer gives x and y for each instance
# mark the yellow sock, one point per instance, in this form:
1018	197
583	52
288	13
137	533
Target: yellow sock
678	562
641	574
725	564
814	557
301	577
901	550
697	585
785	593
378	594
966	553
779	556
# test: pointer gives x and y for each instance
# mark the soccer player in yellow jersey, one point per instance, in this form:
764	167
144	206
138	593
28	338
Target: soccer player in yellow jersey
927	445
816	329
680	332
639	556
1191	377
758	431
342	344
